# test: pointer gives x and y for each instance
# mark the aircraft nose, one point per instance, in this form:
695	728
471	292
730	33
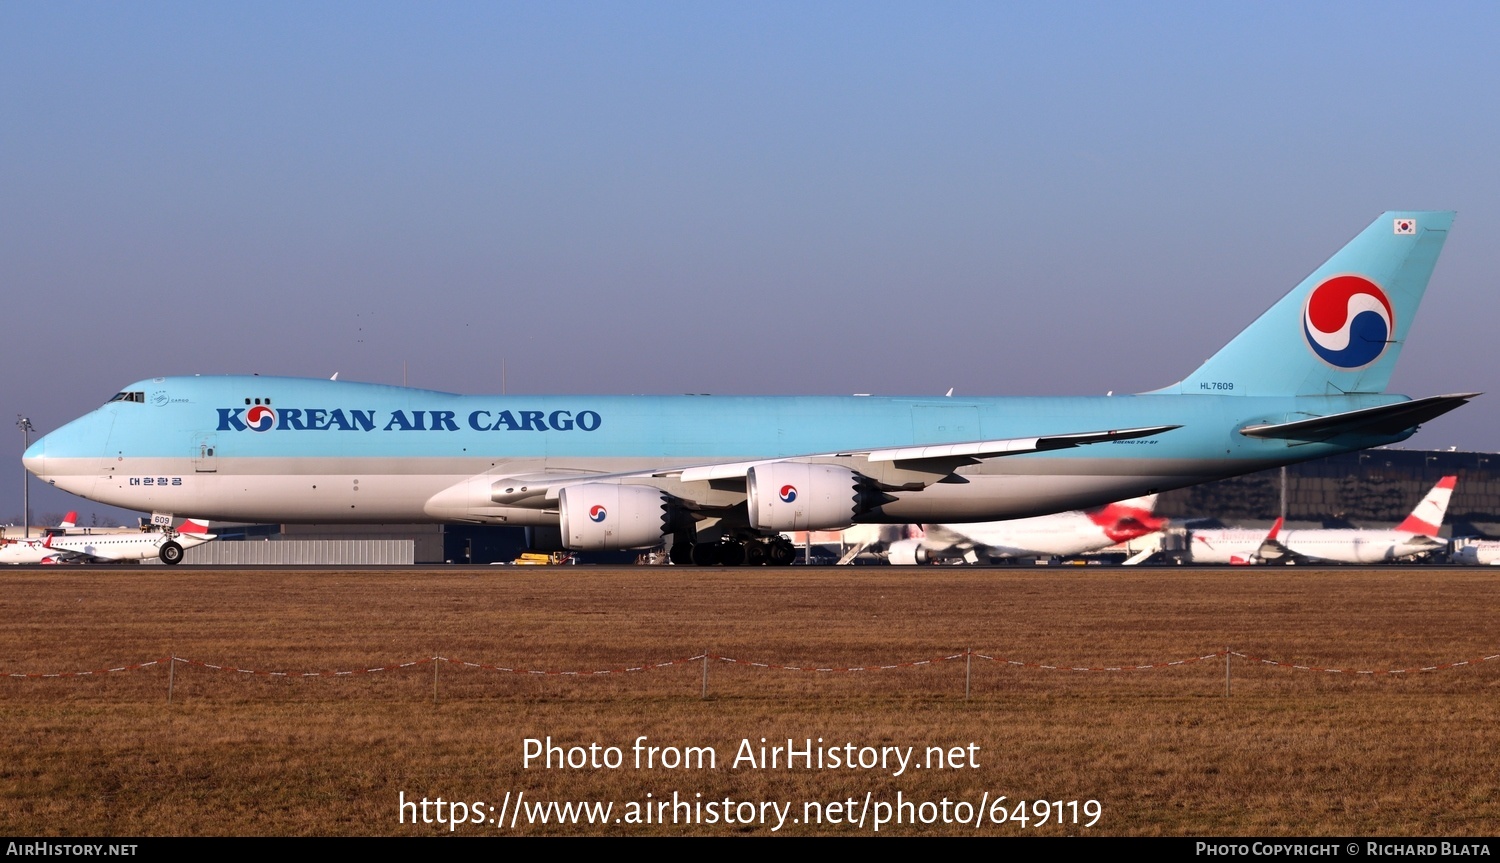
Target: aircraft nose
35	457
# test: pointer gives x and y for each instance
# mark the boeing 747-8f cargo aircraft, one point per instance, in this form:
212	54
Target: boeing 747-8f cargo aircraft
724	475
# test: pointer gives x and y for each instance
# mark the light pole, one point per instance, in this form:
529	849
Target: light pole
26	428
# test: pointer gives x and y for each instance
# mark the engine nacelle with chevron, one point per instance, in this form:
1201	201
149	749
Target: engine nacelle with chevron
798	496
600	516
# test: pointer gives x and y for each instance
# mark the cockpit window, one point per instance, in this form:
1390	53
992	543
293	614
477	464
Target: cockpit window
135	396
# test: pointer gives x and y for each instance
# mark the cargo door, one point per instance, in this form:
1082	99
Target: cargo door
205	453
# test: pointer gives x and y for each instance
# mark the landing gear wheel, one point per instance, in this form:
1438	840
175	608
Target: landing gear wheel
170	553
705	554
681	553
731	553
781	553
755	553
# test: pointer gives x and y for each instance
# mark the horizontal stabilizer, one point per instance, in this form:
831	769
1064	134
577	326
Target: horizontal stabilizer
1385	420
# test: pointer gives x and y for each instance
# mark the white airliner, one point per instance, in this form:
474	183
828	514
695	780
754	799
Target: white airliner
112	545
1485	552
26	550
723	476
1063	534
169	545
1418	534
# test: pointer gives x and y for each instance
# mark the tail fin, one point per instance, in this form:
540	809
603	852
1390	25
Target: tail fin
193	526
1128	519
1135	506
1342	328
1427	518
69	520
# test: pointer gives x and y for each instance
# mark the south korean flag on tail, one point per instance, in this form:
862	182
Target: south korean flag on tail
1406	226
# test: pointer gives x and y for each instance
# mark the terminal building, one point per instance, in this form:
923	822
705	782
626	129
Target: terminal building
1372	489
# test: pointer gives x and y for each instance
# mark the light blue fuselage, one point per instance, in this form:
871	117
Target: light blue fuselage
353	452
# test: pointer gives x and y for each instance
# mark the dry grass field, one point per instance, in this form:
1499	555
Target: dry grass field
1164	751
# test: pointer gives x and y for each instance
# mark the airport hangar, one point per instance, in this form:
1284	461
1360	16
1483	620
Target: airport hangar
1374	488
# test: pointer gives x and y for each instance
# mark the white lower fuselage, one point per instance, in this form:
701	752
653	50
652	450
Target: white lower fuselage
1062	535
1356	546
453	490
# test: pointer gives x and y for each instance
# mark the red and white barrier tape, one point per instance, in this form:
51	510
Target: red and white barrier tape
136	667
260	673
829	670
626	670
1019	664
746	662
1442	667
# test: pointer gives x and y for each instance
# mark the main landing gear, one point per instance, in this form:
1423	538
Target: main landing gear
170	553
776	551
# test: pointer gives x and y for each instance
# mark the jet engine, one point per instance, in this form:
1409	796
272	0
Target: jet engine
600	516
907	552
795	496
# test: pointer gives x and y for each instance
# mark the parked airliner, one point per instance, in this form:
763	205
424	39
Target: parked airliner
723	476
61	545
168	545
1063	534
26	550
1484	552
1418	534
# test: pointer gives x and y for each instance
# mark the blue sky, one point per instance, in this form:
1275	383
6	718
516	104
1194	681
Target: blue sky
712	197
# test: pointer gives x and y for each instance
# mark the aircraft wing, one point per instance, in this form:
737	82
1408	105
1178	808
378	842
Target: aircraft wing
1272	549
65	554
909	468
945	456
945	540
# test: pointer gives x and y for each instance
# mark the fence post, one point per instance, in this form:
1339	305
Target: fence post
968	669
171	676
1227	658
435	665
704	694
